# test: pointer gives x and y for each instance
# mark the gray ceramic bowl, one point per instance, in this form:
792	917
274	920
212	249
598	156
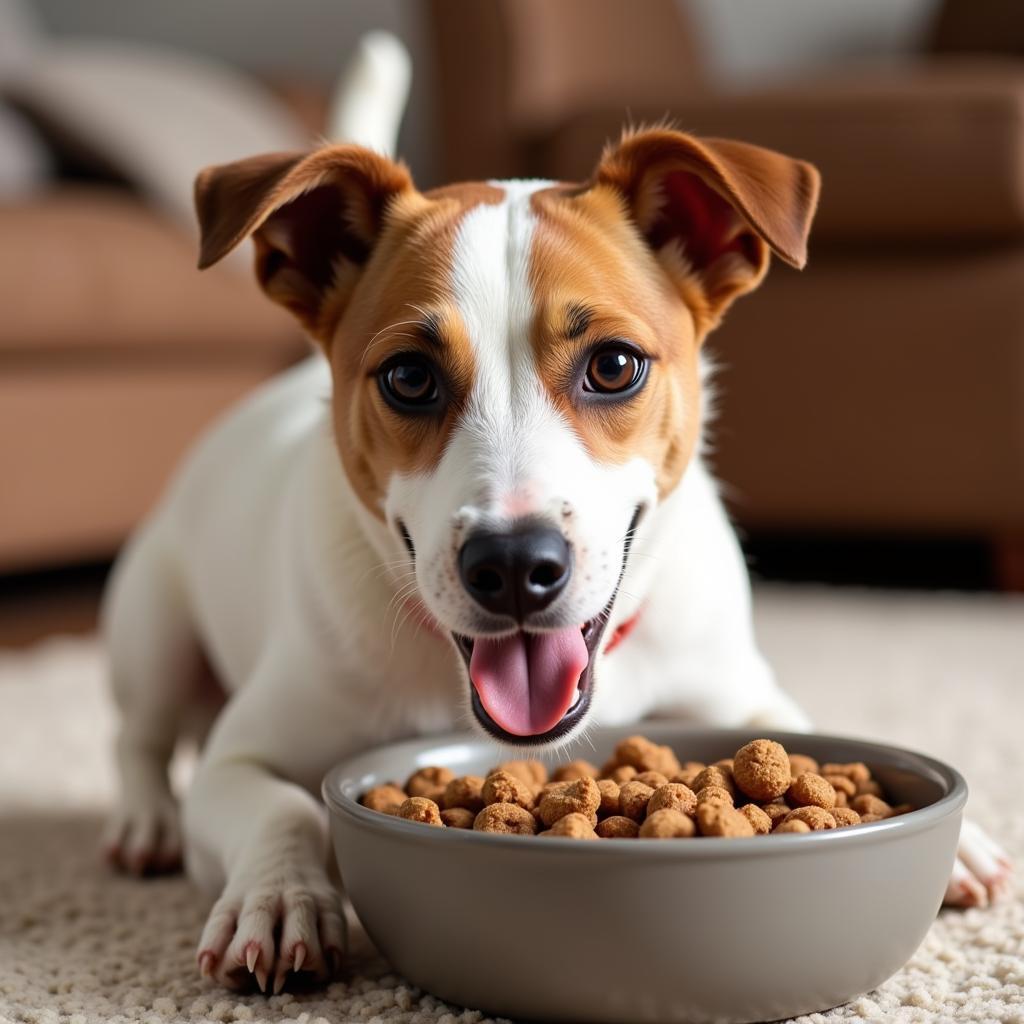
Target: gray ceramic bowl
724	930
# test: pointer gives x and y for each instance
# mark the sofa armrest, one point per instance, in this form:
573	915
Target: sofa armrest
927	151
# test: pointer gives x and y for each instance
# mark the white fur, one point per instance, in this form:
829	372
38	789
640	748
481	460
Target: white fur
261	558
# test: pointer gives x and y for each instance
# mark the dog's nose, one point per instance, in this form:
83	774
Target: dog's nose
517	572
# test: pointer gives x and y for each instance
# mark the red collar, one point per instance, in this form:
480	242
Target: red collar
622	630
427	621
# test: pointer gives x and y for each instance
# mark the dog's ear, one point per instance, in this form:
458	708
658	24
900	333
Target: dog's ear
314	219
711	209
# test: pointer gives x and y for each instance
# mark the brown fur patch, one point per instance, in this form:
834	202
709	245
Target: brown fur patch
586	253
407	280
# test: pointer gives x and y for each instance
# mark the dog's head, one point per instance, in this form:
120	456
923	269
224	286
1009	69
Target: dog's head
516	369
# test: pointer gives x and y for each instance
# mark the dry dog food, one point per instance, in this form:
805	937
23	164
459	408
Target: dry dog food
645	792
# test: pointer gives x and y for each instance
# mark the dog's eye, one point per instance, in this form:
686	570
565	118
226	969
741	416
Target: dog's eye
614	369
409	383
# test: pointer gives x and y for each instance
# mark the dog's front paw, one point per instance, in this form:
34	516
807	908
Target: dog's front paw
982	873
143	836
289	924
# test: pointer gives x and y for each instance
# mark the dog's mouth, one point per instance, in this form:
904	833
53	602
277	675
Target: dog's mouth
531	688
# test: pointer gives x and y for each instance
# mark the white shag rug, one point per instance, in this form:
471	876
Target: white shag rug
942	673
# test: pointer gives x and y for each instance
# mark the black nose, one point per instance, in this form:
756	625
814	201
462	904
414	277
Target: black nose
517	572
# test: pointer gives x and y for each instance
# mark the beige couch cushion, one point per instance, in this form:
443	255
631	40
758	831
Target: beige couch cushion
94	269
932	151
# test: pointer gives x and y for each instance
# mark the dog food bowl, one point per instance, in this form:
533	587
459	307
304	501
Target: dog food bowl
695	930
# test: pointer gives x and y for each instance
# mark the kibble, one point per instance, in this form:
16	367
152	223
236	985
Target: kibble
429	782
422	809
644	791
667	824
761	769
501	787
508	819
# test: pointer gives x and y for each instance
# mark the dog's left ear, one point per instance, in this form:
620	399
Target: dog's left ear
711	209
314	219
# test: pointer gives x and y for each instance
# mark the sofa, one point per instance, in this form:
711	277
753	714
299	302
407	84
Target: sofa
881	390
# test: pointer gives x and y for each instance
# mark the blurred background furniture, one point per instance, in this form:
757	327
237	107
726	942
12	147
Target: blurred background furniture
880	391
870	404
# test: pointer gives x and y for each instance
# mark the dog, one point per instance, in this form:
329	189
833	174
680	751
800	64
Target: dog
483	502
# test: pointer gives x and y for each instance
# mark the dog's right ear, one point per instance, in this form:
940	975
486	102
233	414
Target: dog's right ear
314	219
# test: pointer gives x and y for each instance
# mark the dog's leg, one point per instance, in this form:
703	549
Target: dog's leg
256	833
154	660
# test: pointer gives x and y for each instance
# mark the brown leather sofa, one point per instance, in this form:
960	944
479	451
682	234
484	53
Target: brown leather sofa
114	352
882	389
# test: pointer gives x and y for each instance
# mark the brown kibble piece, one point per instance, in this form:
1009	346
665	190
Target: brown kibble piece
776	812
457	817
633	797
422	809
714	776
617	827
800	763
867	804
385	799
869	787
465	791
501	787
842	800
866	819
652	779
761	769
817	818
582	796
845	816
901	809
842	784
532	772
574	770
715	795
667	824
609	797
624	773
792	825
809	789
646	756
719	820
759	821
856	771
507	819
673	796
429	782
688	773
572	826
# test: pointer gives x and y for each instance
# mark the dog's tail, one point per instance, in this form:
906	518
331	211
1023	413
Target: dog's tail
370	97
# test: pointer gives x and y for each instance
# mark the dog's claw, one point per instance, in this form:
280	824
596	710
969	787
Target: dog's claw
206	961
264	936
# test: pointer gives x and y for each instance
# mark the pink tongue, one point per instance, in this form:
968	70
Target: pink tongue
527	681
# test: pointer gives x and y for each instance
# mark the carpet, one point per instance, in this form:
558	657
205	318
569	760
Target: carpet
940	673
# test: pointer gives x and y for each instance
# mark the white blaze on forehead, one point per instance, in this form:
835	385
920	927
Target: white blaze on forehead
509	415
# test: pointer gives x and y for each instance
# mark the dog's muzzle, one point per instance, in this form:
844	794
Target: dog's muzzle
528	685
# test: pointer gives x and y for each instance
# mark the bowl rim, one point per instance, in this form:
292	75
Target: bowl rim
904	825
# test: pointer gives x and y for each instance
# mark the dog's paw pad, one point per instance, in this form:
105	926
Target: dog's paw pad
271	935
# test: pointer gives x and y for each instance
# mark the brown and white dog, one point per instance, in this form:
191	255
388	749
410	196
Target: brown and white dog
482	502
